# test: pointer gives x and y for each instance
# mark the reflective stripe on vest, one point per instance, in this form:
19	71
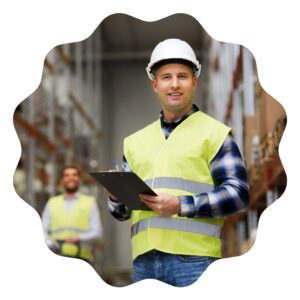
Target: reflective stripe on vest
76	220
177	224
179	184
71	229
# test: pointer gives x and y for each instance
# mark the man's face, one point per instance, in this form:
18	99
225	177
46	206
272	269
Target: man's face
71	180
175	85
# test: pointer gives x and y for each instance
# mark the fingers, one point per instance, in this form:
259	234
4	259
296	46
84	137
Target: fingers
148	198
111	196
154	206
72	239
163	204
153	202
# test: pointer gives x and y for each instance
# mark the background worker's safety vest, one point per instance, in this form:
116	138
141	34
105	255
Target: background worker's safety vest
178	166
71	223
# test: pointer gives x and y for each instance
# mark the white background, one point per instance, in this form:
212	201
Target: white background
30	29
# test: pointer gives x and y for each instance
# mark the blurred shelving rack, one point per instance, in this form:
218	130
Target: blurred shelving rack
258	122
55	127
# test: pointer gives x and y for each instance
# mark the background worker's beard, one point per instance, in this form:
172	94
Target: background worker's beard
71	190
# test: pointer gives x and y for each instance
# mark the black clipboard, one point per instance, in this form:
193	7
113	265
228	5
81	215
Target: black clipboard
125	186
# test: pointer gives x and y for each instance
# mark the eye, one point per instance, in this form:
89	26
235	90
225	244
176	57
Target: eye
165	76
182	76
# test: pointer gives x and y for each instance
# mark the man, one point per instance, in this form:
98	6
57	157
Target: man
192	162
71	221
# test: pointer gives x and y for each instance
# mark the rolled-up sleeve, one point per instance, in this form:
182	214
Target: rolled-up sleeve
231	193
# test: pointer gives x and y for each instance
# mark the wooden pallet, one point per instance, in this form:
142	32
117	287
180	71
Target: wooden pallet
278	130
255	174
270	143
246	246
267	148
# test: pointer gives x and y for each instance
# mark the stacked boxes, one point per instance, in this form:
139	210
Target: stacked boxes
270	112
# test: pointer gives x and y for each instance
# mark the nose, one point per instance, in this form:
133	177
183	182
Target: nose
174	82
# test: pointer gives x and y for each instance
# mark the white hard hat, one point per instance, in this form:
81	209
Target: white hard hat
173	49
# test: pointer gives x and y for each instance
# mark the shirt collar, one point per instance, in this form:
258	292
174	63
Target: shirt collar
163	122
74	197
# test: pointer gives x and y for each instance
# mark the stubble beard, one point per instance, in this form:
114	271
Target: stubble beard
71	190
178	107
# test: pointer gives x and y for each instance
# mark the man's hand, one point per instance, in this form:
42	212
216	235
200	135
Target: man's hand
72	239
111	196
163	204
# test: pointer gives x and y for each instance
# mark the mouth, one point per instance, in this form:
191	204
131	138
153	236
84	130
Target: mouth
71	183
174	95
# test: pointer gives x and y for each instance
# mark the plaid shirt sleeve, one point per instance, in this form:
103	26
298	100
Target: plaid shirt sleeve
119	210
231	193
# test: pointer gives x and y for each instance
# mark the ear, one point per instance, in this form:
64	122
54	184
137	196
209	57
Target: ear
154	85
195	83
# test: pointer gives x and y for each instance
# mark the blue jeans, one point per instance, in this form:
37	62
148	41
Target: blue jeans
176	270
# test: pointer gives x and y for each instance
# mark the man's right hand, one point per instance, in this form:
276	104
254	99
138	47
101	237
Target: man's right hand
72	239
111	196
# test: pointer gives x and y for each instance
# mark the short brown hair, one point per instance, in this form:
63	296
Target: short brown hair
75	167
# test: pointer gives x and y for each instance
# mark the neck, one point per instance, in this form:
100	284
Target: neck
171	116
69	195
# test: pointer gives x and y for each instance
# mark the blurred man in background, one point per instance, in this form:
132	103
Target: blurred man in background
71	220
193	164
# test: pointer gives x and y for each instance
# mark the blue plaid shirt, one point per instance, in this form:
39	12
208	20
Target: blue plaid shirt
228	171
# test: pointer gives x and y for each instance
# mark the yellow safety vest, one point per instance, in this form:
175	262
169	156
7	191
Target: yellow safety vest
65	224
178	166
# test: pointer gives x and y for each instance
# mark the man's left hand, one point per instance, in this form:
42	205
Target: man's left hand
163	204
72	239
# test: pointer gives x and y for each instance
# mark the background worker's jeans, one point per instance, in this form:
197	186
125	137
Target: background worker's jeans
176	270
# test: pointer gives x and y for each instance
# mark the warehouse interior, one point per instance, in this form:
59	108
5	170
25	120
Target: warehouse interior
95	92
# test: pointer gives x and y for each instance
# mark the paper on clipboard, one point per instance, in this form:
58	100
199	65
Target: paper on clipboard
125	186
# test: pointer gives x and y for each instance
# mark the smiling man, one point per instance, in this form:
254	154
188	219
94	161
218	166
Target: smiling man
71	221
193	164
